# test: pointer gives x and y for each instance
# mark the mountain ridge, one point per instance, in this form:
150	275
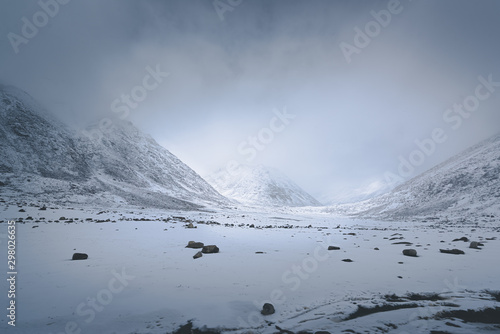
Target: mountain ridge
467	184
41	157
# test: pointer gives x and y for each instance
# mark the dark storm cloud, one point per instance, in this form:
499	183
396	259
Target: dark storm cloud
352	120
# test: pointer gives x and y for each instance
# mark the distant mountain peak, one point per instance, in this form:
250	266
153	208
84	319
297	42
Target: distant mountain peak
260	185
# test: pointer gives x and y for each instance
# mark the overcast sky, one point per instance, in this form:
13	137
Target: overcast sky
357	102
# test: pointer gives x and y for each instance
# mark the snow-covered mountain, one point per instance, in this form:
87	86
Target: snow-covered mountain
44	159
259	185
466	185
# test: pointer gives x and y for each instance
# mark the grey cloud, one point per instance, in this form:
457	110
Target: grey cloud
353	120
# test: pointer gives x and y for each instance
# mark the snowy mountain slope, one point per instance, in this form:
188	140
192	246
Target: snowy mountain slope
467	184
43	158
261	186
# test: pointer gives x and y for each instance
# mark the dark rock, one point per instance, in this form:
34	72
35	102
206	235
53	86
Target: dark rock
267	309
333	248
197	255
195	245
80	256
376	248
452	251
465	239
475	245
210	249
407	243
410	252
190	225
347	260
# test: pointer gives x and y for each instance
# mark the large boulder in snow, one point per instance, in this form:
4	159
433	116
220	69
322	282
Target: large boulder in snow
452	251
195	245
475	245
410	252
210	249
79	256
268	309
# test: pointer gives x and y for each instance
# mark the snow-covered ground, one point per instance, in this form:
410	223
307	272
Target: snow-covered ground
140	277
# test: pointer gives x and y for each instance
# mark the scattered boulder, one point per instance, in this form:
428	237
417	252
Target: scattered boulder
197	255
376	248
79	256
195	245
410	252
452	251
465	239
190	225
475	245
333	248
210	249
267	309
347	260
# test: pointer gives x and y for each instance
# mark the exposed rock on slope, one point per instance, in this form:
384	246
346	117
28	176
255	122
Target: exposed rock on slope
42	158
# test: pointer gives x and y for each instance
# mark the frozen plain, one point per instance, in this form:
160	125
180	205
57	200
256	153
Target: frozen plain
140	277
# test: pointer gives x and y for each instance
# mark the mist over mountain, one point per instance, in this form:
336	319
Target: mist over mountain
260	185
466	185
43	159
